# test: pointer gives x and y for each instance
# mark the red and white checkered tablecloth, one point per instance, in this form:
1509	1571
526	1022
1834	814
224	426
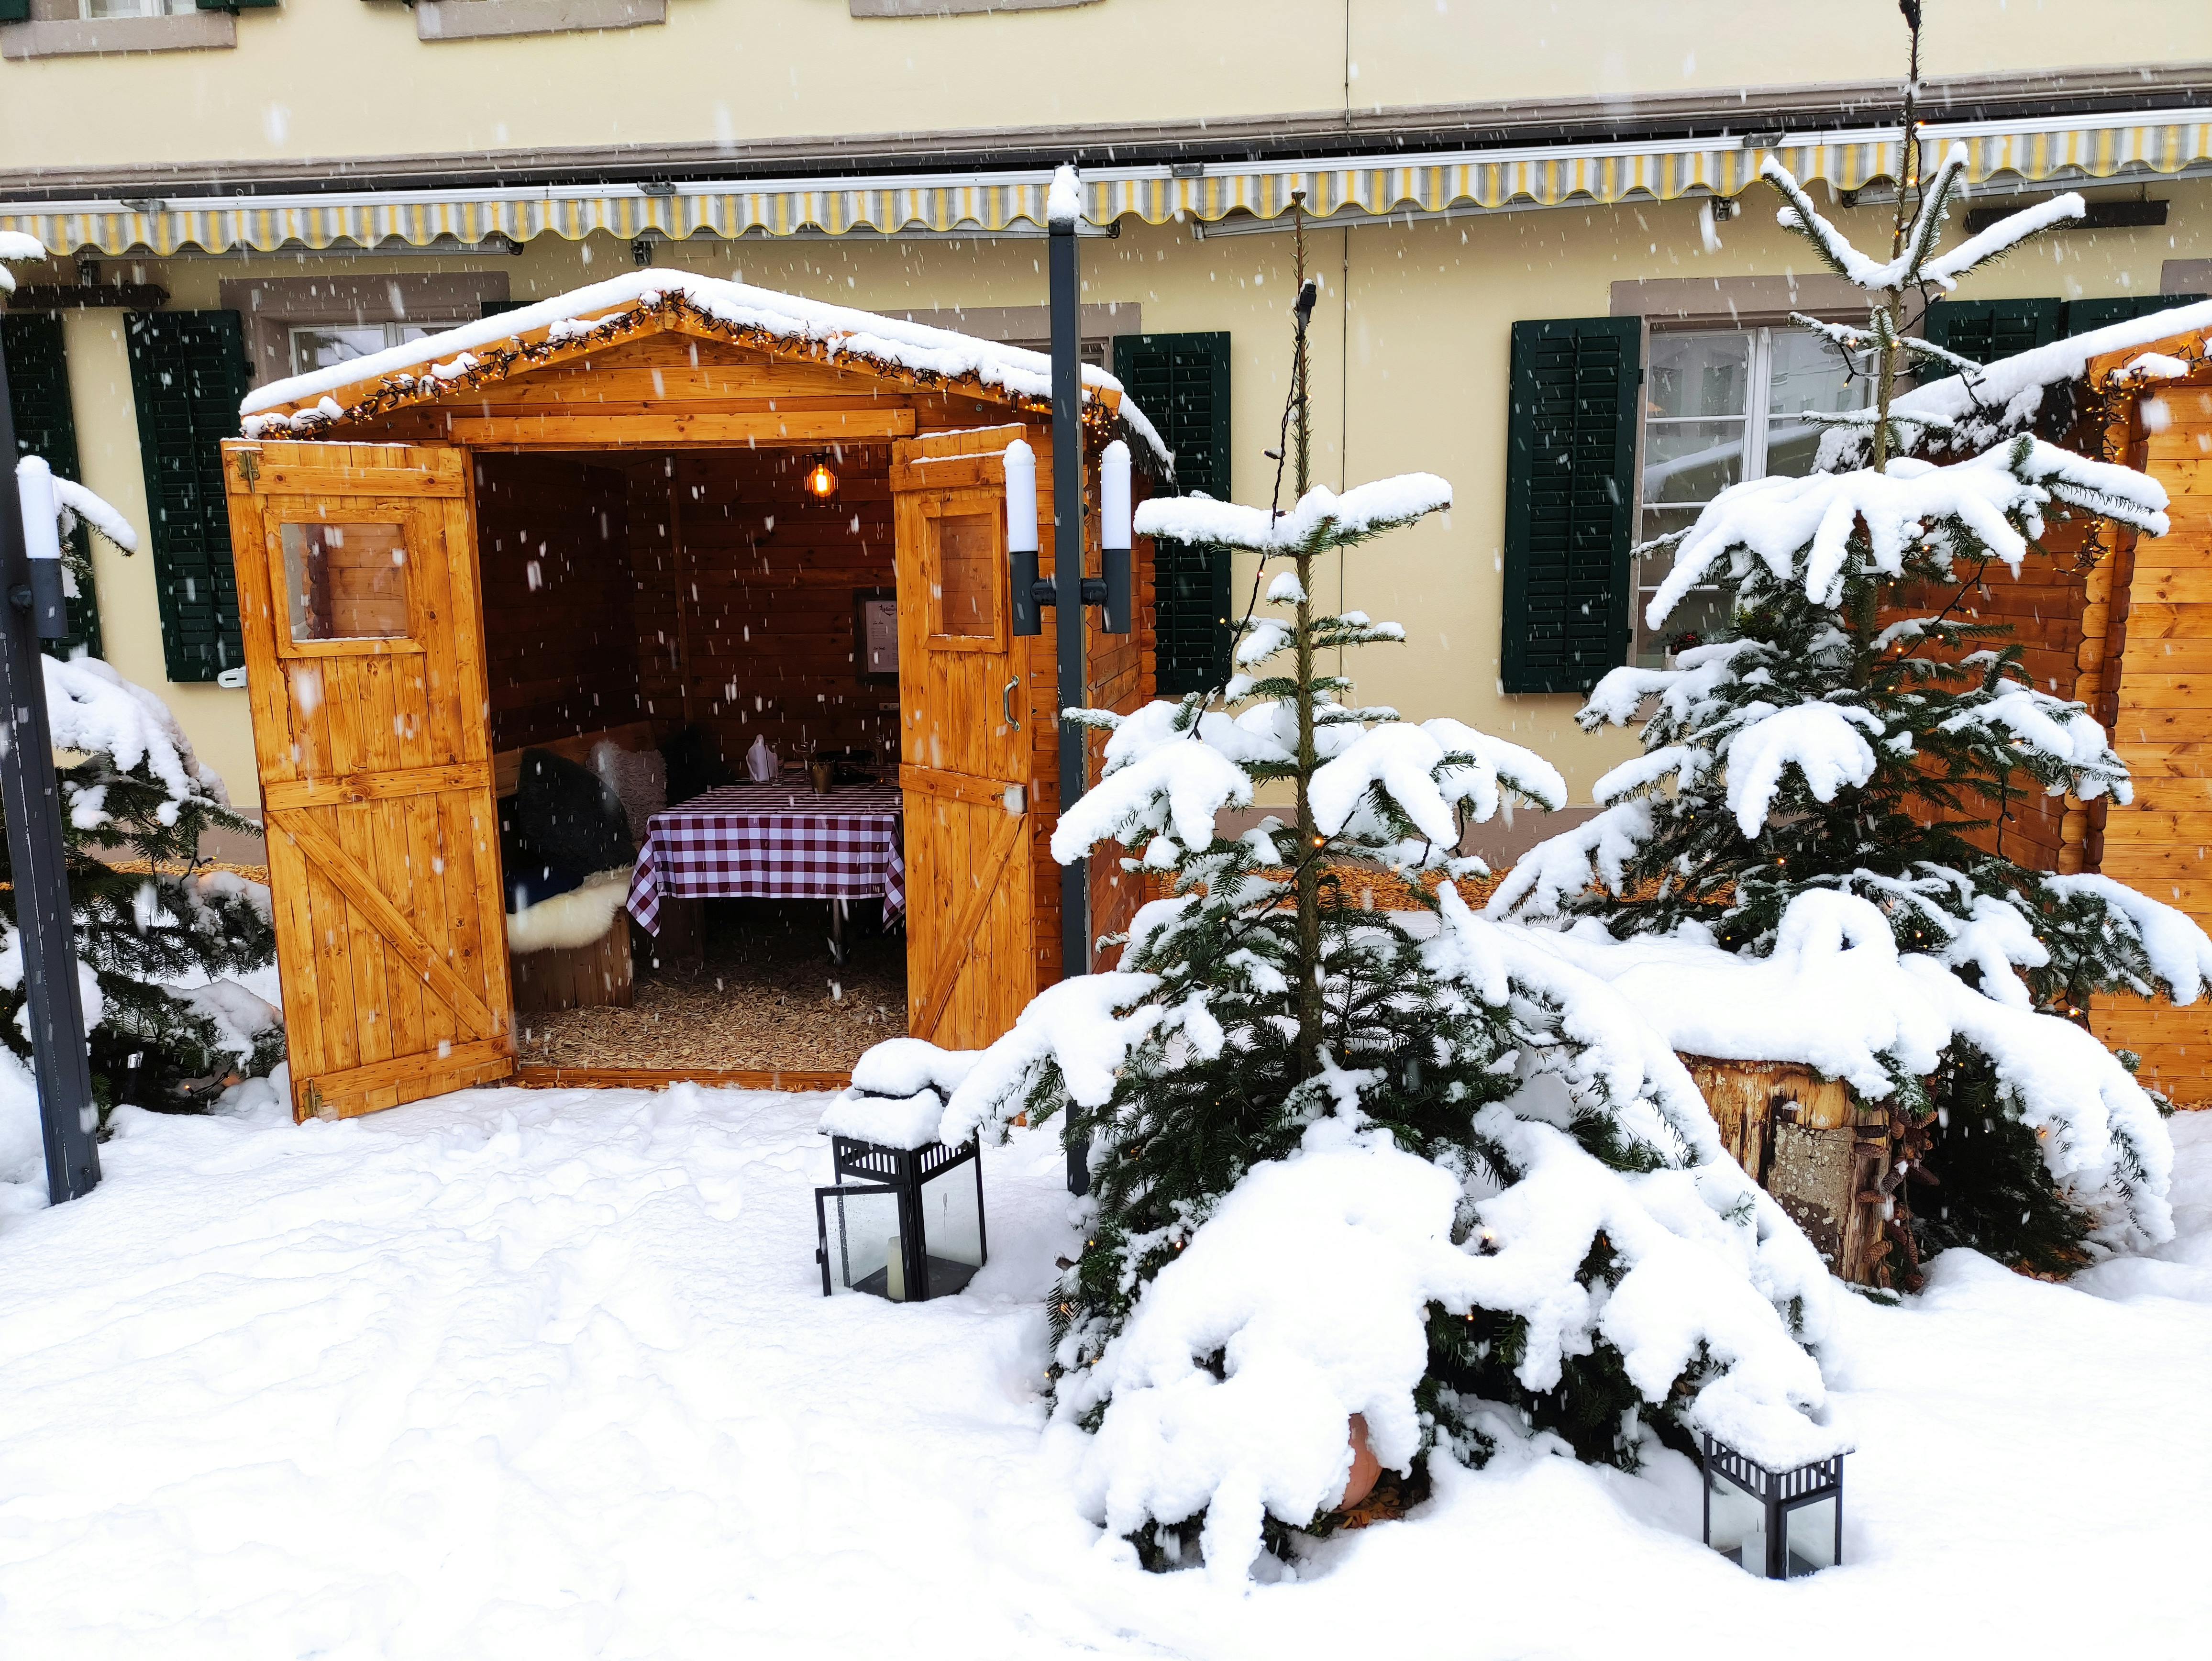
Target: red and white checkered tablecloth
772	841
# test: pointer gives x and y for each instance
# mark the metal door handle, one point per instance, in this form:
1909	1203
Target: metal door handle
1006	702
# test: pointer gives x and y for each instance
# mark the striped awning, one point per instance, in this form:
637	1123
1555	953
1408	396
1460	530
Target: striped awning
2086	149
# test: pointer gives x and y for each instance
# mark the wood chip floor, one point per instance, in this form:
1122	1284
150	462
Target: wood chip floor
767	996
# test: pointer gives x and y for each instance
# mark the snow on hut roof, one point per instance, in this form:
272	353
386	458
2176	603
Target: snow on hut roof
2005	397
419	370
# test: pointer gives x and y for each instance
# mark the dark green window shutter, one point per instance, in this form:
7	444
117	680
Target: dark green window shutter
1570	496
46	425
188	371
15	11
1181	381
2083	315
1987	330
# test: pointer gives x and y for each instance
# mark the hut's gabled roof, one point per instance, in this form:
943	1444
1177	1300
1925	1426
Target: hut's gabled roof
1968	414
461	361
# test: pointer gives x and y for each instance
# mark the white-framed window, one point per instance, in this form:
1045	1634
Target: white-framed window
320	345
1722	405
94	10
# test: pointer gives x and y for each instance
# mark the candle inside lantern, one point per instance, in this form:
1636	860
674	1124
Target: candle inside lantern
895	1269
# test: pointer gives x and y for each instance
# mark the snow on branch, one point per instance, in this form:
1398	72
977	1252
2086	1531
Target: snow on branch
1313	1280
1321	519
93	709
14	245
1559	867
2176	947
1836	994
1426	773
1773	523
2002	238
1826	743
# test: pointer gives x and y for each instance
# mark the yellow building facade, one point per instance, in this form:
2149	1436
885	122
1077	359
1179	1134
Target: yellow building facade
327	166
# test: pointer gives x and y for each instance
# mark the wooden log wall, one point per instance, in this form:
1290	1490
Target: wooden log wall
553	550
2043	607
2159	706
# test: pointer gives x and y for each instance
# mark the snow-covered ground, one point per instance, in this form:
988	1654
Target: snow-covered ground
549	1375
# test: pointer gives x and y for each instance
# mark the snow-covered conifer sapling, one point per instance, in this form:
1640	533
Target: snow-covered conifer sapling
1847	734
1410	1168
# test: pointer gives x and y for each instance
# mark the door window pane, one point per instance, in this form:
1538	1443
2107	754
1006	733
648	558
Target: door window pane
346	581
967	597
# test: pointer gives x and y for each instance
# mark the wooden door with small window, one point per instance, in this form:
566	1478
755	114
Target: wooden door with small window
964	712
357	601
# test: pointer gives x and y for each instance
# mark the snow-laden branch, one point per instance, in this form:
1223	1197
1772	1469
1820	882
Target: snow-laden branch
14	245
1804	530
1836	994
1321	518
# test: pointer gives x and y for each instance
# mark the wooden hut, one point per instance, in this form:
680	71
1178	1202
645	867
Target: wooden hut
586	517
2123	623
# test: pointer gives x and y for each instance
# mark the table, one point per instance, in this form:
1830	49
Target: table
773	841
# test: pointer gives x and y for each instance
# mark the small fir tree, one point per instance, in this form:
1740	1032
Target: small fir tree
1268	1030
1835	736
149	914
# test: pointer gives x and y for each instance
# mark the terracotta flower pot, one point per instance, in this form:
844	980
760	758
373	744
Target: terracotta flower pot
1366	1469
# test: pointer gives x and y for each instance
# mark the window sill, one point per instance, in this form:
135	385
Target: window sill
480	20
953	7
70	37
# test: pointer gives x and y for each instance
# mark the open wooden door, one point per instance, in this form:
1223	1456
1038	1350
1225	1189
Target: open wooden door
357	598
964	716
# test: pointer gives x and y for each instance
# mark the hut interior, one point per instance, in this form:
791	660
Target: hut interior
679	605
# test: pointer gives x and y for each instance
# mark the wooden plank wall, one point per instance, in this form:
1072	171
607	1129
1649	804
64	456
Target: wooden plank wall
2161	722
745	587
553	547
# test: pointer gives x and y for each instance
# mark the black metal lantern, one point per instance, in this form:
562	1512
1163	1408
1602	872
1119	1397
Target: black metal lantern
905	1224
1776	1523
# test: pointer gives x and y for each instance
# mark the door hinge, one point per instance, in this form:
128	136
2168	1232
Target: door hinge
249	466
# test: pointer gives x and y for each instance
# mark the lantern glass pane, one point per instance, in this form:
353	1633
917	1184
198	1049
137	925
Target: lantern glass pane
864	1245
1739	1523
1812	1537
951	1228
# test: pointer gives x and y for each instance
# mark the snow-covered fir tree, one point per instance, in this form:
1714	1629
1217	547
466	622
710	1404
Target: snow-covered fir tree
1409	1167
157	934
1836	736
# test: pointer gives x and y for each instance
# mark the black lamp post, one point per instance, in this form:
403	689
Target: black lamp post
1778	1524
31	588
905	1224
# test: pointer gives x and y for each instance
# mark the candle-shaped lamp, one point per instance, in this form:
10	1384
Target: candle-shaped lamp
42	540
1022	535
1113	536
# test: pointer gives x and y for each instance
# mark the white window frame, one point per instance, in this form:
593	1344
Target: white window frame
1648	650
395	334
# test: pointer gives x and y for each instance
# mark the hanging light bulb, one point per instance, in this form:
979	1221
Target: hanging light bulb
820	482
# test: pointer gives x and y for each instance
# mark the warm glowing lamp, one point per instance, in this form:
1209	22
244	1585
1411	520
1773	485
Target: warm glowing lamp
820	482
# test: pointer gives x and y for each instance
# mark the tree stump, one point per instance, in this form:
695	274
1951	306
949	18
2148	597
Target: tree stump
1812	1144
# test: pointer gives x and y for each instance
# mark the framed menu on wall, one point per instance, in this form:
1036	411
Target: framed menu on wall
875	634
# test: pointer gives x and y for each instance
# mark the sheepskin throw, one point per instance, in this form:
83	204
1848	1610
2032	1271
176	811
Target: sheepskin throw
577	917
